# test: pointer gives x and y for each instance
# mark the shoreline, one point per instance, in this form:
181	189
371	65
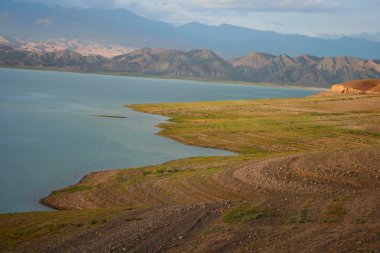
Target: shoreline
127	74
61	199
160	127
54	207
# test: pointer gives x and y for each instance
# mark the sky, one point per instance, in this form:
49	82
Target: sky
318	18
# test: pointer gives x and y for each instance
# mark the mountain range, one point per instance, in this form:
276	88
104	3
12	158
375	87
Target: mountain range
304	70
36	21
83	47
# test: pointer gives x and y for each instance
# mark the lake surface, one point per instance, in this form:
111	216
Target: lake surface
48	138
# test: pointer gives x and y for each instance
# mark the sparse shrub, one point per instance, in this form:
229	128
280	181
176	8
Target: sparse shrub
244	213
94	222
304	214
132	219
334	212
160	171
145	173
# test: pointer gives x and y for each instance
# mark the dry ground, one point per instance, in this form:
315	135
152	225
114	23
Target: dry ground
368	86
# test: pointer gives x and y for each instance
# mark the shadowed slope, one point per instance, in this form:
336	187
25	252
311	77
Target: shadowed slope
369	86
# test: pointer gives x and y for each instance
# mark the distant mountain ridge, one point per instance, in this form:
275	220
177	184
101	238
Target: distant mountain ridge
35	21
305	70
83	47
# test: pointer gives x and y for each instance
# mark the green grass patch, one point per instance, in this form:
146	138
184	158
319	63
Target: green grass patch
77	188
244	213
303	215
132	219
362	132
146	172
334	212
160	172
291	220
19	231
268	126
361	220
212	230
95	222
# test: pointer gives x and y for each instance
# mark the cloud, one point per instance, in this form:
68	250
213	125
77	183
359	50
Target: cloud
208	11
207	5
265	5
175	11
276	23
104	4
45	22
311	17
4	16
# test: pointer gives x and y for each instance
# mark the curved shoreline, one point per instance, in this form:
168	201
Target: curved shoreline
45	200
274	85
172	124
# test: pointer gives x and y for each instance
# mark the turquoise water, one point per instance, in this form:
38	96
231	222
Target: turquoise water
48	138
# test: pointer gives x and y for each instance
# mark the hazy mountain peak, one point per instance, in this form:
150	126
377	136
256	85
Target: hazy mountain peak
261	55
254	60
144	50
204	54
193	23
4	47
284	60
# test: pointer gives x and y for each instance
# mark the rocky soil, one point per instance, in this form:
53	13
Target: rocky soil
369	86
319	202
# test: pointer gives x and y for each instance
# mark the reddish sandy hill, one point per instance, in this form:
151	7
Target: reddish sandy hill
368	86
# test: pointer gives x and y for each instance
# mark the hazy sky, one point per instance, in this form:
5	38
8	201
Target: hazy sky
310	17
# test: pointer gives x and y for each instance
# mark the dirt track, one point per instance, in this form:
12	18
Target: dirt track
315	173
320	202
148	230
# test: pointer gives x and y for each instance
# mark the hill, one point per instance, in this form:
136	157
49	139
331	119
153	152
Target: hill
304	69
371	86
85	48
35	21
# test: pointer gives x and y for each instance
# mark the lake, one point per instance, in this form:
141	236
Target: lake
49	137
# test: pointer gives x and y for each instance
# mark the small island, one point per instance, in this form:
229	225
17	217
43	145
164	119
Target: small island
109	116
